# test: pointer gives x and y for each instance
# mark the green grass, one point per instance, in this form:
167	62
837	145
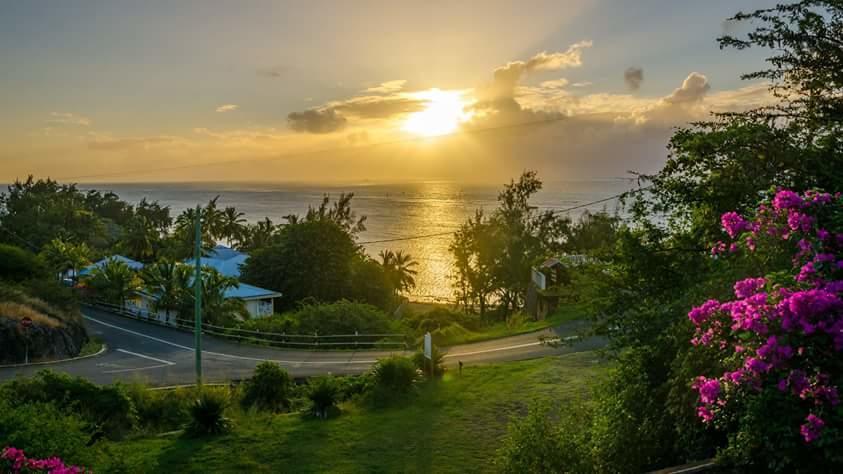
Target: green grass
563	314
453	425
93	346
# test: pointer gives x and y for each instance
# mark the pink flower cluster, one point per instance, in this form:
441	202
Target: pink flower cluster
16	461
768	332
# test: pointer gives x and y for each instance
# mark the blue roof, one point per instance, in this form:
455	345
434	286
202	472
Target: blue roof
133	264
247	292
224	260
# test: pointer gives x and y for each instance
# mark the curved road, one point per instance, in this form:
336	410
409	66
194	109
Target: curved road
157	355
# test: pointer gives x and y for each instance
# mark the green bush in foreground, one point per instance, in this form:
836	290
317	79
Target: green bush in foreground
207	414
43	431
395	374
324	393
108	407
269	389
437	361
161	410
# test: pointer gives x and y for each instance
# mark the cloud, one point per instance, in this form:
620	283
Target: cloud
358	138
67	118
387	87
693	89
507	77
581	84
227	108
554	84
633	76
333	116
325	120
109	144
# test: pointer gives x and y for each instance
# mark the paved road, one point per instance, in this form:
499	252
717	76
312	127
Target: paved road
157	355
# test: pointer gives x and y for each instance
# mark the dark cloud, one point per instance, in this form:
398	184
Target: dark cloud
375	106
633	77
316	121
333	116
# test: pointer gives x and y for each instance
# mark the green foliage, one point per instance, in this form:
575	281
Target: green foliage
269	389
494	254
44	430
161	410
310	259
114	282
324	393
440	318
18	264
395	375
341	317
61	256
207	413
437	361
371	282
538	443
108	407
399	268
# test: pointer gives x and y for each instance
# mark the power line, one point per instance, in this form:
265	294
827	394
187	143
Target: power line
307	153
557	211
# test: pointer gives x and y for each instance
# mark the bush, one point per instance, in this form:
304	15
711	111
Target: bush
108	407
17	264
440	318
536	444
269	389
43	430
207	413
161	410
395	373
324	394
437	357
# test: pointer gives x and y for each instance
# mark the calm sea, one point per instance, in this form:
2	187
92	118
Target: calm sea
393	211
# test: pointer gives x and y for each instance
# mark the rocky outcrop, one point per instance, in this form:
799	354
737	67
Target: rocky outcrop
45	342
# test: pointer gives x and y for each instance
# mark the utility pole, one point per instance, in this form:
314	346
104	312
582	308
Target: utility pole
197	296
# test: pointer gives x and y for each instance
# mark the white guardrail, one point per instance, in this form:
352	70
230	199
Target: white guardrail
261	337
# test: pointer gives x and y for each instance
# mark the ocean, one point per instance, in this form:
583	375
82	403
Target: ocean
393	211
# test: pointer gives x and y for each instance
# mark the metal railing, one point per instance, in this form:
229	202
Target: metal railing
275	339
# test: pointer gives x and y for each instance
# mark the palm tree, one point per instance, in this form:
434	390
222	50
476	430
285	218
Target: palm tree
168	282
141	239
115	281
399	268
62	256
233	225
216	308
258	235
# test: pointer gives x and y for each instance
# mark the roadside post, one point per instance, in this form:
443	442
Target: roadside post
25	324
197	294
428	352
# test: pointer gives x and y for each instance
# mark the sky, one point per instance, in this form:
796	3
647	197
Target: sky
364	91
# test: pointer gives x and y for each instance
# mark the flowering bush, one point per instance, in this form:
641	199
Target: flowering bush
780	339
14	460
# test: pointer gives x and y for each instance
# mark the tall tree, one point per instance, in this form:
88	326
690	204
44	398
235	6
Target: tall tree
169	282
400	269
62	256
233	226
141	239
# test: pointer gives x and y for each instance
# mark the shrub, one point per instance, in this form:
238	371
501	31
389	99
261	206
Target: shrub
44	430
437	359
440	318
392	377
17	264
207	413
778	339
15	460
161	410
538	444
108	407
324	394
269	389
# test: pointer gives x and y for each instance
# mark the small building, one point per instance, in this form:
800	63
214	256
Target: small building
259	302
548	282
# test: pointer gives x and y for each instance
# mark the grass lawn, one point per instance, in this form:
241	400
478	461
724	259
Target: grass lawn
563	314
453	425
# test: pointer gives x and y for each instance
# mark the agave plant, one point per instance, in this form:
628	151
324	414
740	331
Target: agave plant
207	414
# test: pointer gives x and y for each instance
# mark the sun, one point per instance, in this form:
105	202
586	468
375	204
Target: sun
443	113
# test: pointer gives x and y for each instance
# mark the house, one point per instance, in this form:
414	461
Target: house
547	283
259	302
